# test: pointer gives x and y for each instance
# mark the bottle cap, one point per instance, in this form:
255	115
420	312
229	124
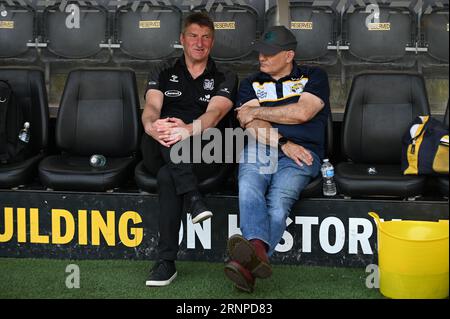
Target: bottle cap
97	160
93	160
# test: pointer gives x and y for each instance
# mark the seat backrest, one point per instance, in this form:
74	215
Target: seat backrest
260	7
148	32
434	28
28	85
235	30
67	39
383	41
98	113
380	108
17	28
313	26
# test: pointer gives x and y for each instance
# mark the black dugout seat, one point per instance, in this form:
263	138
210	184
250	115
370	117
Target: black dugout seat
380	108
17	32
314	188
29	88
434	27
98	114
260	7
313	25
235	30
147	32
73	38
149	183
385	40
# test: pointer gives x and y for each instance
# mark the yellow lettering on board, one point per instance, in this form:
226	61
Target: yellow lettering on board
107	228
137	234
9	228
82	227
35	237
57	216
21	225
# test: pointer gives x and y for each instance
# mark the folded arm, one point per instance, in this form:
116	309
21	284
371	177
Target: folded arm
303	111
263	131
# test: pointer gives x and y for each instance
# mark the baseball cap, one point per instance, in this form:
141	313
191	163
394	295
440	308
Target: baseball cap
276	39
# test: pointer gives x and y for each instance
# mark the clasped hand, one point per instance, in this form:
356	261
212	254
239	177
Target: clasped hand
168	131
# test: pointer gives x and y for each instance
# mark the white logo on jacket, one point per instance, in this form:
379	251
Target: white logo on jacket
208	84
173	93
206	99
267	92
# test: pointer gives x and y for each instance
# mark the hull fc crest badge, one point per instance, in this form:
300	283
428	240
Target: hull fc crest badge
208	84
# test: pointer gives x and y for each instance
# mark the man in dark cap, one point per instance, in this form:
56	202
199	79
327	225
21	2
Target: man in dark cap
294	100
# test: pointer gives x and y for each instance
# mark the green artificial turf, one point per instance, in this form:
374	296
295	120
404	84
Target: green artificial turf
42	278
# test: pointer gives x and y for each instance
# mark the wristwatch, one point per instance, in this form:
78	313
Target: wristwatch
282	141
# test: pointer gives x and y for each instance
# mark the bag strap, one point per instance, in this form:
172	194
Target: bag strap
418	137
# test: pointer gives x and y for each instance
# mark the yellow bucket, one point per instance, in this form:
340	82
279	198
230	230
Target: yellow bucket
413	259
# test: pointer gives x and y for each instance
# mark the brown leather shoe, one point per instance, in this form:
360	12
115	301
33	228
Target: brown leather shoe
240	276
241	250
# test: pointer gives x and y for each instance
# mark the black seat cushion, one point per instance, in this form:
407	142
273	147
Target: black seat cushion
310	24
435	34
31	96
18	174
147	182
443	185
134	30
354	179
235	31
78	41
98	115
374	125
371	46
74	173
19	31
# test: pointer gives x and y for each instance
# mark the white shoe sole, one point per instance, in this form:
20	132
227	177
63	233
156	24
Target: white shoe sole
151	283
202	217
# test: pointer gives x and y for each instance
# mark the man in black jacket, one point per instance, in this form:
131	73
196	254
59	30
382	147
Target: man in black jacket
190	88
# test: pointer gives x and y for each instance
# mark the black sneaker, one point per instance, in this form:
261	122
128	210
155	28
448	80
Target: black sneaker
199	211
162	274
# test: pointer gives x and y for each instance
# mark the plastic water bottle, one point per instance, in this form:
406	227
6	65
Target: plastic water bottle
97	161
329	186
24	134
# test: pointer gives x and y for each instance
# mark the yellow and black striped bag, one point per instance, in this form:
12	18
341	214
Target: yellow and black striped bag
425	148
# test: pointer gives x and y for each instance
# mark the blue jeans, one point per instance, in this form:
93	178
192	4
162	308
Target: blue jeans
266	199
